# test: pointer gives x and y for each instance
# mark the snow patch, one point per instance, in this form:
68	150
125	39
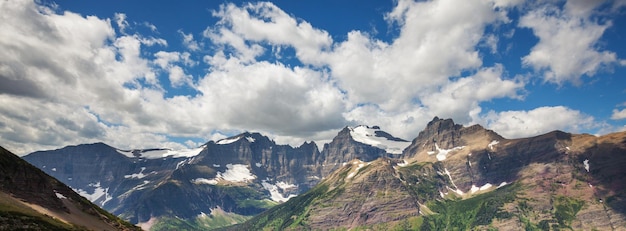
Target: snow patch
404	163
481	188
258	165
586	163
493	143
216	165
138	175
442	154
359	166
474	189
204	181
502	184
54	169
250	139
451	181
283	185
275	193
366	135
236	173
233	173
60	196
163	153
228	140
99	194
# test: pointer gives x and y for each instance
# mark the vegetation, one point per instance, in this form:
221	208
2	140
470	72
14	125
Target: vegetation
16	216
427	181
565	210
469	213
207	222
291	214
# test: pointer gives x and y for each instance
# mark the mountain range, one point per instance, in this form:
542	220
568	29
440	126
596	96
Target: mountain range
449	177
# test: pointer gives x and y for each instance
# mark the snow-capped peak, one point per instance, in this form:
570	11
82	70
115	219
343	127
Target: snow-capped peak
234	139
375	137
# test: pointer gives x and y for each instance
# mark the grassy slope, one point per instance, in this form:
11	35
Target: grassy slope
15	215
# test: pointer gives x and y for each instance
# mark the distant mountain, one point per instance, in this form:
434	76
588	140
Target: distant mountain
459	178
32	200
220	183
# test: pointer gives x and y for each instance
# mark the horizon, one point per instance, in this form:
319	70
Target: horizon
138	75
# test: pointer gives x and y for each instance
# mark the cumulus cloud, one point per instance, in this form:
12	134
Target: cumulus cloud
437	41
457	98
517	124
189	41
266	96
264	22
120	20
87	83
559	57
618	114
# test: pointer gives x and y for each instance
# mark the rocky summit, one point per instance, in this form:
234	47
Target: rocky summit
448	177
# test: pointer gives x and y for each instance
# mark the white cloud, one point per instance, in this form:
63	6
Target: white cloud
120	20
272	97
559	57
189	42
457	98
264	22
517	124
618	114
437	41
491	42
167	61
74	80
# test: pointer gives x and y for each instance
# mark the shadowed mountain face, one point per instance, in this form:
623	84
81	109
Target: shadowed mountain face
455	177
235	178
31	199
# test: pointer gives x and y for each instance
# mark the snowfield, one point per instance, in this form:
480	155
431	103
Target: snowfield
233	173
275	193
366	135
163	153
228	140
99	194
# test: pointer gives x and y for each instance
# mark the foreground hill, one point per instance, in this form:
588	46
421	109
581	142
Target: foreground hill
455	177
32	200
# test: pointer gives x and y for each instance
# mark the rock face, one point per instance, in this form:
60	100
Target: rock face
31	199
455	177
240	176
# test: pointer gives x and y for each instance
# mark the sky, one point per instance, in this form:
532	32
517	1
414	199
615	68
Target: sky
176	74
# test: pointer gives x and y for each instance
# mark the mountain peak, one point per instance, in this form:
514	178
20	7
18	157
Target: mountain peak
375	137
444	134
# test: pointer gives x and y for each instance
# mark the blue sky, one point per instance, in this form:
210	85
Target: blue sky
177	74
